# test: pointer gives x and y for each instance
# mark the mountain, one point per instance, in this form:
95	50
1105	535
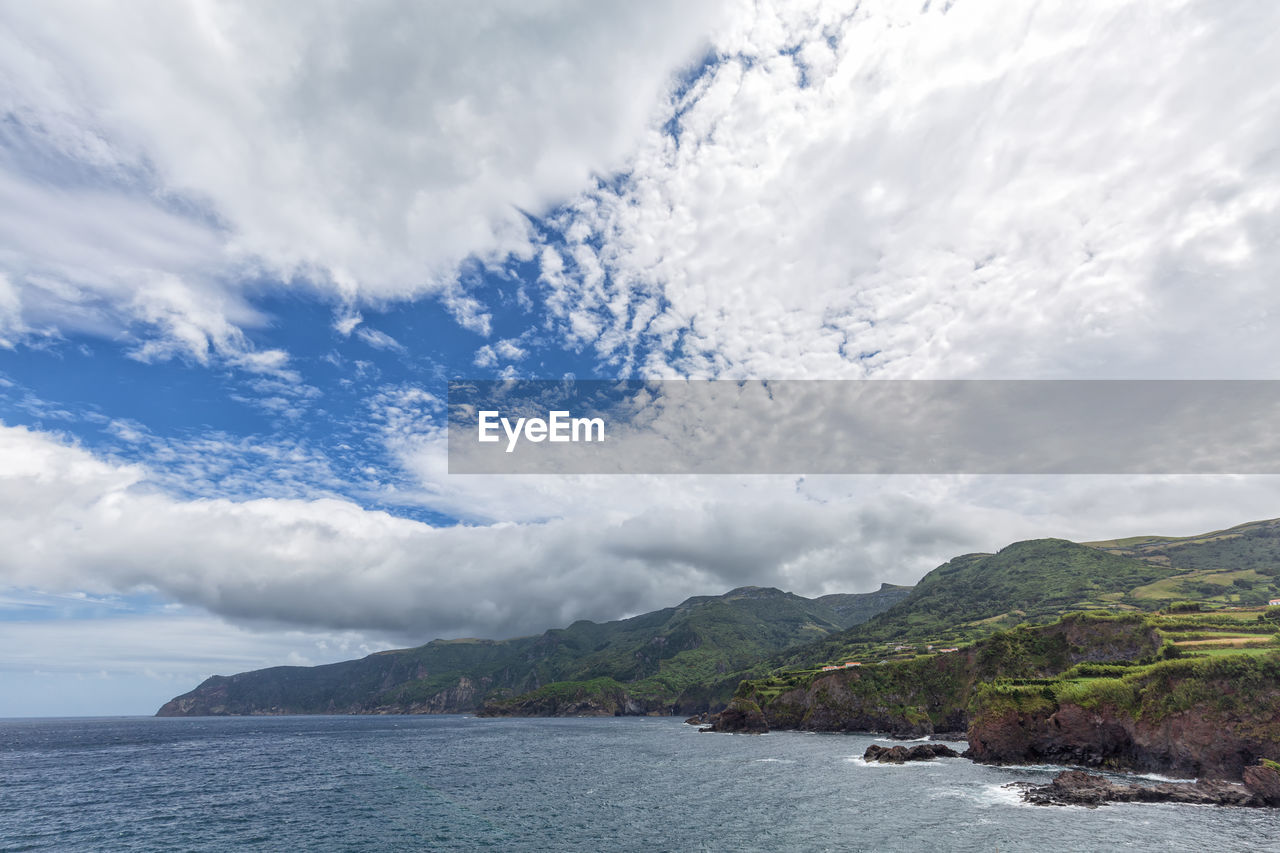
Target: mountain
1027	580
692	657
856	608
1174	667
1036	581
1239	565
667	661
974	595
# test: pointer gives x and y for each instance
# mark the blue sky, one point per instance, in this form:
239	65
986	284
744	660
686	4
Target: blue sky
243	249
101	394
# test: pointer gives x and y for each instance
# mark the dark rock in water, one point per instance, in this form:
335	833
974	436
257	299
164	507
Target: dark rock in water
741	718
699	719
956	735
1263	781
901	754
1078	788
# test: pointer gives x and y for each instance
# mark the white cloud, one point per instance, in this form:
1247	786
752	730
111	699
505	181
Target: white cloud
601	548
969	189
510	350
345	323
379	340
11	325
156	155
192	322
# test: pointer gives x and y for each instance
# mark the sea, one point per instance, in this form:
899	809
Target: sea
465	783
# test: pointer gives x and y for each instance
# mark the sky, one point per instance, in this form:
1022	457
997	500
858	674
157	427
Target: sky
245	246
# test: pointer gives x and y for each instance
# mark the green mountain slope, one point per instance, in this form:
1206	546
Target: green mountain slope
692	657
665	659
1237	566
974	595
977	594
1032	580
854	609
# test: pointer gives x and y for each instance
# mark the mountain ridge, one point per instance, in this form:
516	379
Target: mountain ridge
691	657
662	655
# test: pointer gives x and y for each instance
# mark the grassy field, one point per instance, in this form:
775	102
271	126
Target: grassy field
1209	586
1239	630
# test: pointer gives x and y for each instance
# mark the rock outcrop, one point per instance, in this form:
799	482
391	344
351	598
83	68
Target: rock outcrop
1199	719
1194	743
902	754
1263	781
741	717
1078	788
907	700
1094	690
932	694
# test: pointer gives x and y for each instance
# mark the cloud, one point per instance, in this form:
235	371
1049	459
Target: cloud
945	190
346	320
76	522
602	548
1003	190
11	325
380	340
510	350
191	322
157	161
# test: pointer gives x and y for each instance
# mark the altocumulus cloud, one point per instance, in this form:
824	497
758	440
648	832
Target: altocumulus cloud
946	190
156	155
906	189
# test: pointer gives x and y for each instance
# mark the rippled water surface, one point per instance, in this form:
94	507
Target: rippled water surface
458	783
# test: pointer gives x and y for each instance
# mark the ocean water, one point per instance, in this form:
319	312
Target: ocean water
460	783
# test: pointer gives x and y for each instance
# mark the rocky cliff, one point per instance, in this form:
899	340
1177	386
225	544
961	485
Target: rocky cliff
1092	690
933	693
1207	718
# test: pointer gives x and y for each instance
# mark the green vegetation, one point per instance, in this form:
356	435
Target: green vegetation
1037	580
1119	662
998	609
997	698
1226	684
976	595
1255	545
1240	565
690	656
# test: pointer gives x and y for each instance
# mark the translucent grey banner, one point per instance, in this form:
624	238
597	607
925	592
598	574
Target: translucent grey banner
864	427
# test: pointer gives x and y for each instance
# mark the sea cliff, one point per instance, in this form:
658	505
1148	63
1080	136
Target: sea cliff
1091	690
1206	718
932	693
